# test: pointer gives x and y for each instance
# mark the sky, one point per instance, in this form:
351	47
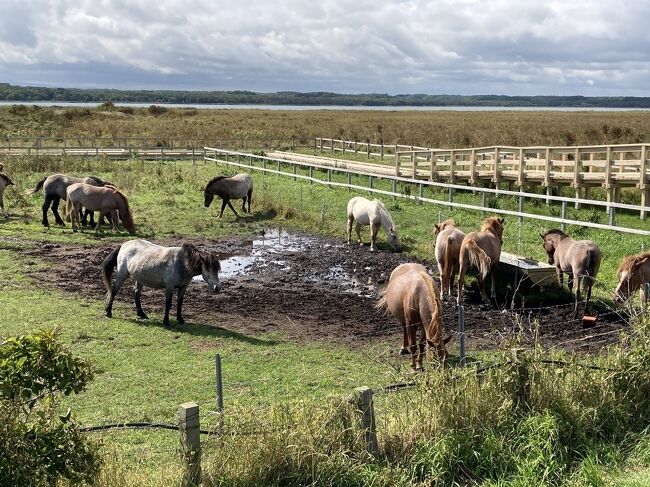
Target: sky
570	47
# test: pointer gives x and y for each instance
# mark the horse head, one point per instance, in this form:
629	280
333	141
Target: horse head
551	239
630	276
210	268
439	227
393	240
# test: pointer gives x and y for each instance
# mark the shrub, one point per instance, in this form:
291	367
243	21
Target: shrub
40	446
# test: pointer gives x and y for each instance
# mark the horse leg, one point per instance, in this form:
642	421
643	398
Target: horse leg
481	285
119	281
232	208
169	294
138	303
413	347
576	290
223	207
46	207
243	205
249	197
588	282
357	228
74	217
560	276
405	342
349	228
55	210
493	277
374	229
114	217
179	305
421	351
83	216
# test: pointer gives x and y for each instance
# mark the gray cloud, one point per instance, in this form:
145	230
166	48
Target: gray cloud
443	46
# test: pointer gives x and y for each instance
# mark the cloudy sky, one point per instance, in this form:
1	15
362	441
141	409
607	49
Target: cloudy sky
351	46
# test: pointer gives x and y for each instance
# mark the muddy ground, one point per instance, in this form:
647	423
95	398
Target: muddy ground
316	289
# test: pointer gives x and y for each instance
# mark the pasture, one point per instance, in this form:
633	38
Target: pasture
297	330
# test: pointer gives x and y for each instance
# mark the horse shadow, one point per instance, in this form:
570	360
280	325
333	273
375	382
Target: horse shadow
201	330
257	216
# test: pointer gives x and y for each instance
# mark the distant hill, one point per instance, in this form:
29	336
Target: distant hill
10	92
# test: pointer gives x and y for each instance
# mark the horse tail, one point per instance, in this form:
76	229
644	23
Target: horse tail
69	206
478	258
446	264
108	266
250	194
434	330
39	185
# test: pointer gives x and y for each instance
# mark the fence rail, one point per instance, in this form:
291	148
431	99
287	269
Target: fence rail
260	163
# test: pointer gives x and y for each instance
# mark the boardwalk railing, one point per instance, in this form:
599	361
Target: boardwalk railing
372	172
381	150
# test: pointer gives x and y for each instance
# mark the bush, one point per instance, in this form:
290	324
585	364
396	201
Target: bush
40	446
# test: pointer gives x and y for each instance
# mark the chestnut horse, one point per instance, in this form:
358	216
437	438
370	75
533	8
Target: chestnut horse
447	251
106	200
482	250
579	258
413	298
633	274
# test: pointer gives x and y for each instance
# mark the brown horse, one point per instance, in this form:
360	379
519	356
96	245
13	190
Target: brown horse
633	274
107	200
447	250
482	250
413	298
579	258
4	182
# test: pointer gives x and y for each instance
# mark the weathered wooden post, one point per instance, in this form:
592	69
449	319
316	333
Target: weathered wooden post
190	429
368	426
218	383
563	216
643	180
350	181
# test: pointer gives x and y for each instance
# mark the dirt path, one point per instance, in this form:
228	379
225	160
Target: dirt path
313	289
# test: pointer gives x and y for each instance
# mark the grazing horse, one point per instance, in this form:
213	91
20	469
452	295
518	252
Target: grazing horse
482	249
4	182
579	258
633	274
227	188
151	265
447	250
55	187
413	298
106	200
362	211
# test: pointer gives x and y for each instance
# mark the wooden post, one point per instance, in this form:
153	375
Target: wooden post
349	180
369	184
577	175
414	160
547	172
394	188
368	150
311	174
522	389
643	179
381	154
420	193
472	167
434	161
450	197
496	177
397	163
522	167
190	429
563	215
452	167
367	410
356	147
218	383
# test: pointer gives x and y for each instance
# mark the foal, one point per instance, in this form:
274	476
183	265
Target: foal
633	274
447	251
579	258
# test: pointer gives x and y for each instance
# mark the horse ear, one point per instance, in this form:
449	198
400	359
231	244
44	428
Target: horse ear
502	221
446	340
639	262
437	227
542	235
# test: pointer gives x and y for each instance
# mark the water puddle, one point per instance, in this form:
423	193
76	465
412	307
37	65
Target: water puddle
354	283
264	252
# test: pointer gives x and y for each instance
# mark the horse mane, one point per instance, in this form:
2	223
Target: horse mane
214	180
124	200
629	260
196	260
555	231
446	224
5	177
386	220
97	181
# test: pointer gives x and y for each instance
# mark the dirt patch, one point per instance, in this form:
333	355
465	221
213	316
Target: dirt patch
315	289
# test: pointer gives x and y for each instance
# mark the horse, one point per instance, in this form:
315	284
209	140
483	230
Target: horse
4	182
362	211
158	267
482	249
579	258
106	200
447	251
633	274
55	187
227	188
413	298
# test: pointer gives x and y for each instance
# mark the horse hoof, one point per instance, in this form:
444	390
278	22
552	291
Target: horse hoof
180	321
109	314
404	351
142	316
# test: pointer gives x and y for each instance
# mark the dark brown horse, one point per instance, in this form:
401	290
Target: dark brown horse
413	298
579	258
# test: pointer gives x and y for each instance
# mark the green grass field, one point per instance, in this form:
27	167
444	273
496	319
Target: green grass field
144	372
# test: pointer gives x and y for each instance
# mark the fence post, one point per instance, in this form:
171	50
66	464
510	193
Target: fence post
461	333
522	391
311	174
218	383
367	410
349	181
188	420
563	216
381	156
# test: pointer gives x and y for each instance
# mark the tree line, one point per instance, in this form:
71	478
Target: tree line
17	93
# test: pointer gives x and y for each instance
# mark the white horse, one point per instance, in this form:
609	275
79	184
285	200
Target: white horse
365	212
151	265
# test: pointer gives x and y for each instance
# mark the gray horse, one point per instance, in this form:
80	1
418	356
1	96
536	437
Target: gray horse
227	188
151	265
55	187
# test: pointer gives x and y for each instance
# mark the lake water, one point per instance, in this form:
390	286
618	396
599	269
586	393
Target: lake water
331	107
